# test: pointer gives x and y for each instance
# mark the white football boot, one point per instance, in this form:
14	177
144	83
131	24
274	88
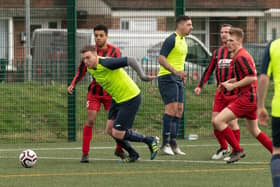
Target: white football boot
166	149
177	150
220	153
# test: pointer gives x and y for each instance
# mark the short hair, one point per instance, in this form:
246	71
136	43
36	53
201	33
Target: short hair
101	28
88	48
182	18
237	32
226	25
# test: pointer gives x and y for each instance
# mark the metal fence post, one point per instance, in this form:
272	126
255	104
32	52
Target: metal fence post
180	10
71	55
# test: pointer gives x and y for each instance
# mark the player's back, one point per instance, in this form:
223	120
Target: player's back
114	80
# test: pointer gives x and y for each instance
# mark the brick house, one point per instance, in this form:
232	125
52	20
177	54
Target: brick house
43	14
258	18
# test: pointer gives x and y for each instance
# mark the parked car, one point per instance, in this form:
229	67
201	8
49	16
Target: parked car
145	46
196	61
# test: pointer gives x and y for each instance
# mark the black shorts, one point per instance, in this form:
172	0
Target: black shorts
124	113
171	88
276	131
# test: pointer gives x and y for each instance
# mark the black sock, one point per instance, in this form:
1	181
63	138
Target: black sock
137	137
167	120
127	146
275	169
174	131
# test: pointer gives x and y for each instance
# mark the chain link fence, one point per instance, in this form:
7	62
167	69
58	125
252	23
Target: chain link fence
36	109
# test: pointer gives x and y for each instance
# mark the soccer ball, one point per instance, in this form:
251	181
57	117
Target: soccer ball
28	158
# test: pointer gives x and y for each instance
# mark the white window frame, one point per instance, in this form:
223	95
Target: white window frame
131	20
205	32
10	41
124	20
45	22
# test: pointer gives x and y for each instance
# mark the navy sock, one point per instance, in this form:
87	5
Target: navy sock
174	131
134	136
167	120
127	146
275	170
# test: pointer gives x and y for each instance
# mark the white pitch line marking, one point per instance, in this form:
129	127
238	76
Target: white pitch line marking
110	147
157	160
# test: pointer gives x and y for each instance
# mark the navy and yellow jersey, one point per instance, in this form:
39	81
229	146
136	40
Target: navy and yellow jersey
110	74
94	88
271	67
175	50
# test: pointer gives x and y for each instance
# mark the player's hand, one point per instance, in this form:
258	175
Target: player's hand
219	88
70	89
184	80
263	117
197	90
229	86
151	77
181	74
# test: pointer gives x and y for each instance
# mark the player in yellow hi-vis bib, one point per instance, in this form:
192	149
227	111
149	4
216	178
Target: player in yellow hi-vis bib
271	67
171	78
109	73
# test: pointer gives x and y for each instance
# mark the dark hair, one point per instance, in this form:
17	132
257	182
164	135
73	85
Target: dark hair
237	32
88	48
101	28
226	25
182	18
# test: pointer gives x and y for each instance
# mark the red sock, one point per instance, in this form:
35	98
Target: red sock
87	135
237	134
229	136
118	147
264	139
221	139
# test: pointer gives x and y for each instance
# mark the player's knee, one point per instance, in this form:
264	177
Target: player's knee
90	122
109	130
212	122
255	131
117	135
179	113
171	109
216	122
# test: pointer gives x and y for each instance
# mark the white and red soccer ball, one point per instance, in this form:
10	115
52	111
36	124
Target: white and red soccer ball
28	158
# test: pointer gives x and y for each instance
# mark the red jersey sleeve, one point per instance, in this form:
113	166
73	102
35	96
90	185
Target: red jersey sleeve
82	69
117	53
208	71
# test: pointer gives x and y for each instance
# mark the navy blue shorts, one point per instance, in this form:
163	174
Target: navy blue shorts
276	131
124	113
171	88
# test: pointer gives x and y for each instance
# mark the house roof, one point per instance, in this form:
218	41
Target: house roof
191	4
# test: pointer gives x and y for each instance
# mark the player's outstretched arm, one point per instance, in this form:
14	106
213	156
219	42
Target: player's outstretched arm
263	115
131	61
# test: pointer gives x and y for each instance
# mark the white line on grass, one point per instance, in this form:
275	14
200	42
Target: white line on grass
110	147
145	160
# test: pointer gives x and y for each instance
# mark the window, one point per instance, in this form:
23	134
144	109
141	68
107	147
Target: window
170	24
4	32
274	33
139	24
52	25
199	28
124	25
